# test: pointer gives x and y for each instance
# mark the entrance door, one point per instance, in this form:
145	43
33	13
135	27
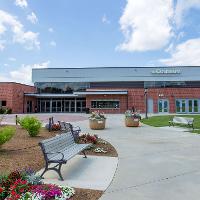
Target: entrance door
180	106
150	105
163	106
56	105
193	106
67	106
80	106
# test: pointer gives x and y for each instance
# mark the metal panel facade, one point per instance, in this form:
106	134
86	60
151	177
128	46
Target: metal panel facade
102	74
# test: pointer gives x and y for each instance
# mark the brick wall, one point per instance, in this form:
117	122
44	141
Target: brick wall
136	97
13	94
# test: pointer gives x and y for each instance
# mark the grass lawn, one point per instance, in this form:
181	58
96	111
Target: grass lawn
163	120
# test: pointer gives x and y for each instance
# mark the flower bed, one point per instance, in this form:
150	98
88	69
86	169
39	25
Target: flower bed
11	158
99	147
26	185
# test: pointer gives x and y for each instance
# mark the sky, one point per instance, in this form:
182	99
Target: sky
93	33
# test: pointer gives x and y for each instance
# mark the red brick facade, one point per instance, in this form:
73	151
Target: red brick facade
136	98
13	94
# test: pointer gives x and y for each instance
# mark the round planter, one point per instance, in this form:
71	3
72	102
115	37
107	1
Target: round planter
97	124
132	122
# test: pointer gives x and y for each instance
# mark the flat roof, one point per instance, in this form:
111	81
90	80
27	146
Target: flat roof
116	74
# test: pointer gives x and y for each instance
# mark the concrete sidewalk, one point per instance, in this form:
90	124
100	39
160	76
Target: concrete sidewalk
95	172
154	163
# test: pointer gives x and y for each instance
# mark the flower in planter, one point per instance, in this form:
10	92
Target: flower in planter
134	115
97	115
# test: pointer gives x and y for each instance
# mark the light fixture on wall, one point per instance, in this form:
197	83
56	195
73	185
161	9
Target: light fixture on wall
161	95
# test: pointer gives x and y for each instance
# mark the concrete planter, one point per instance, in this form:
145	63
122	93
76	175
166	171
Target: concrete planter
132	122
97	124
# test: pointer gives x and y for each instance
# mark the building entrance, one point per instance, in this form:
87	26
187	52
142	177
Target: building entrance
163	106
61	105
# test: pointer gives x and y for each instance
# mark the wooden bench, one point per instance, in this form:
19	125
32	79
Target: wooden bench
66	126
182	120
59	149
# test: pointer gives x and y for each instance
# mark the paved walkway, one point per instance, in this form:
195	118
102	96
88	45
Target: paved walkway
85	173
154	163
44	117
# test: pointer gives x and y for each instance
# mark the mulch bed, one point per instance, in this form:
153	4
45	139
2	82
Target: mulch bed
23	151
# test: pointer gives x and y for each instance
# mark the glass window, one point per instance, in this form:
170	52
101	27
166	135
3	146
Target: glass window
60	88
178	107
3	103
105	104
195	105
183	105
190	105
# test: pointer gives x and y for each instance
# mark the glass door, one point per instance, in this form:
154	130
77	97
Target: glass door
56	105
80	105
193	106
180	106
67	105
163	106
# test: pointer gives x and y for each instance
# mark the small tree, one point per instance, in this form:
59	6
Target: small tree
31	124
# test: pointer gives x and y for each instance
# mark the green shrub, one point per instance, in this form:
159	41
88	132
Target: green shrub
6	134
31	124
5	111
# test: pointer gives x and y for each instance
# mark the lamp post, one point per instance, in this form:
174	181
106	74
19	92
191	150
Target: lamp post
146	102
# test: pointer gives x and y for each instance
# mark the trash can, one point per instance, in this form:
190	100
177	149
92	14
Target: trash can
87	110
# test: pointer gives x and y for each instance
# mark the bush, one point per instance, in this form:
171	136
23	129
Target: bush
6	134
31	124
5	111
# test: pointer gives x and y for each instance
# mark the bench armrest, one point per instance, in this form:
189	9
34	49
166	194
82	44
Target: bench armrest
56	153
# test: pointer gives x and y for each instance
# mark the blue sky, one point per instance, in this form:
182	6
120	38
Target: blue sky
91	33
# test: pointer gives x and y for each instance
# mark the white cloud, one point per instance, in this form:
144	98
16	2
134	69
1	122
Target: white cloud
32	18
51	30
12	59
182	8
2	46
21	3
186	53
146	24
10	23
53	43
105	20
23	74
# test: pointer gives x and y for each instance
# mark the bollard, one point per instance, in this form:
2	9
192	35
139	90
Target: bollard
16	121
50	124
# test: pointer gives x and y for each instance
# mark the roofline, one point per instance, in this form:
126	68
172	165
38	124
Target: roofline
12	82
113	67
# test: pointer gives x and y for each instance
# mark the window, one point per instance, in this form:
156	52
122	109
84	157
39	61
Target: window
2	103
105	104
61	87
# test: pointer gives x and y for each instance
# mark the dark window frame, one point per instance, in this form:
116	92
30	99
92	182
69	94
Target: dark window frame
105	104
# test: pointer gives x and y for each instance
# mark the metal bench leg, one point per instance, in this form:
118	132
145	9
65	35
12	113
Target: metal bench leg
58	170
85	156
46	169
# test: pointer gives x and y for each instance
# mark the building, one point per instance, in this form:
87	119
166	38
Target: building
114	90
12	96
